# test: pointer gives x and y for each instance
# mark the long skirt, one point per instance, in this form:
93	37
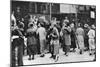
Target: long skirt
73	43
91	44
55	47
67	39
32	49
86	43
80	42
32	44
67	43
42	46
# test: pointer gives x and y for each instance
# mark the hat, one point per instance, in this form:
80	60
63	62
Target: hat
21	25
93	26
72	24
42	18
30	24
86	25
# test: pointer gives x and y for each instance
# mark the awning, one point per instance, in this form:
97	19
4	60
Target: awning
82	2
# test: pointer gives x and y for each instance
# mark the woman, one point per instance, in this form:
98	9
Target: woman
86	29
41	31
31	41
73	37
67	39
80	38
55	43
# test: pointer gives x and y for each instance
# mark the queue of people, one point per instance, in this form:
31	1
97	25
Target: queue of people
45	38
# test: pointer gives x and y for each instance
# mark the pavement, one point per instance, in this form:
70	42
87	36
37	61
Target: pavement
72	57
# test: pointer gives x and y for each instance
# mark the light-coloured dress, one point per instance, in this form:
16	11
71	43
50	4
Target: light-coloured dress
42	37
80	37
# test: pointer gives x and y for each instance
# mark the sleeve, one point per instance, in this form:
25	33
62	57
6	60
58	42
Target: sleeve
93	33
69	29
57	31
63	30
76	32
37	31
83	33
45	31
61	33
20	33
88	33
13	19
